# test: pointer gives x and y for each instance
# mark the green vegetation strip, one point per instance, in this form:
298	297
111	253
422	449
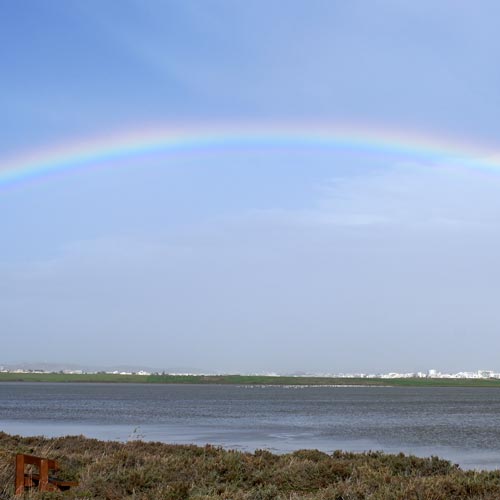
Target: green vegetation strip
138	470
243	380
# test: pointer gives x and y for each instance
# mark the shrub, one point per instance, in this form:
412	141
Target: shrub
140	471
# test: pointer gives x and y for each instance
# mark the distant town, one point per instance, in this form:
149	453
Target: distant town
432	373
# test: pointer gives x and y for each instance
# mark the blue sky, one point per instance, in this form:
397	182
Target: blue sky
258	260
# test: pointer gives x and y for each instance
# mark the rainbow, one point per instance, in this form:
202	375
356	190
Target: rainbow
181	140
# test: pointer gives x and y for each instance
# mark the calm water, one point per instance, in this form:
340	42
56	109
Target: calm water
461	424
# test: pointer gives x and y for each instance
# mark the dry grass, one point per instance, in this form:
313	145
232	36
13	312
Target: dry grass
140	471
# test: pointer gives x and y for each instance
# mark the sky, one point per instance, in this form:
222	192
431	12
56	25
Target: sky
259	258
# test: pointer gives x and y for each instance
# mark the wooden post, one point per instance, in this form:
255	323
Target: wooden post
19	474
43	485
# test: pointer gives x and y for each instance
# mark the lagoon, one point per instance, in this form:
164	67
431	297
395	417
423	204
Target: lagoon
460	424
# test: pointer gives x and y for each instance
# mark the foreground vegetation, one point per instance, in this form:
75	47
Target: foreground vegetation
138	470
243	380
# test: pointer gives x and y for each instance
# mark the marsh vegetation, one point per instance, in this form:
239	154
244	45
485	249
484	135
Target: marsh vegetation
146	470
244	380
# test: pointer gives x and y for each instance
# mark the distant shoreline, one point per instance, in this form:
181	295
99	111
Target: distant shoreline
252	380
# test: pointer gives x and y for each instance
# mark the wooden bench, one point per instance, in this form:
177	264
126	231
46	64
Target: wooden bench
41	479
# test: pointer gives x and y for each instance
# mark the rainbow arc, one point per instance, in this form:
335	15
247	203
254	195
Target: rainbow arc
174	141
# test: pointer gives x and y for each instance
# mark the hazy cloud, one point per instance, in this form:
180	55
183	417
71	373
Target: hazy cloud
392	260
